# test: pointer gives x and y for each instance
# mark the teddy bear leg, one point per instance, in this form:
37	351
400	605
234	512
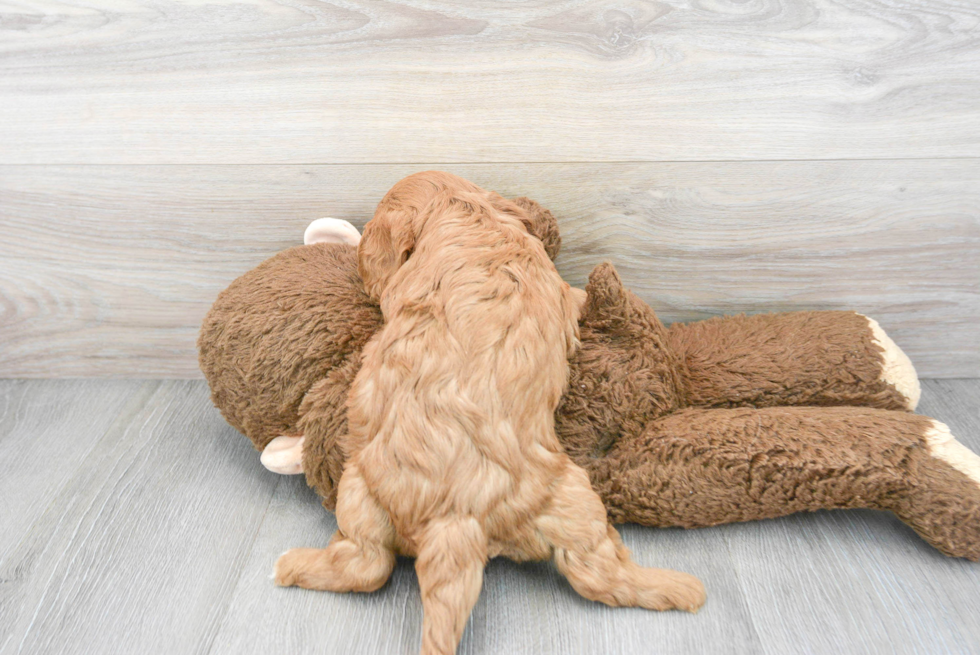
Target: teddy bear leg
701	467
827	358
943	505
284	455
896	369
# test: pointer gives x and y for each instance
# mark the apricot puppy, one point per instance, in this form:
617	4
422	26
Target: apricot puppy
452	451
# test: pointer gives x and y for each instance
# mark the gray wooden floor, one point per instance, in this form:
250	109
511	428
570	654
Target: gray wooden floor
134	520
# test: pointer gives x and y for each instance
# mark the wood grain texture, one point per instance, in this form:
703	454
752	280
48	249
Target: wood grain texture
523	608
46	431
163	538
862	581
108	270
141	549
364	81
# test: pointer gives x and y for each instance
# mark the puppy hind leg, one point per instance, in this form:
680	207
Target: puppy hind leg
451	557
361	554
590	554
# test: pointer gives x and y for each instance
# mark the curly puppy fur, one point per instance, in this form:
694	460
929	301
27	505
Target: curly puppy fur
451	438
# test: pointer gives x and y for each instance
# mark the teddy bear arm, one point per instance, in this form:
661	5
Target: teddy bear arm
702	467
800	358
323	423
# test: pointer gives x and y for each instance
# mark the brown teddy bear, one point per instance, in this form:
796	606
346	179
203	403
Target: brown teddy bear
730	419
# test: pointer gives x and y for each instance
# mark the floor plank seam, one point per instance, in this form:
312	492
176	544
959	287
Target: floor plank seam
744	595
246	556
123	420
47	583
130	410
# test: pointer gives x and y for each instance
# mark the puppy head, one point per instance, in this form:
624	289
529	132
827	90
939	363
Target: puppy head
389	237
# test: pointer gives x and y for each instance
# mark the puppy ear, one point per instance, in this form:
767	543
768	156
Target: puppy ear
541	224
384	247
505	206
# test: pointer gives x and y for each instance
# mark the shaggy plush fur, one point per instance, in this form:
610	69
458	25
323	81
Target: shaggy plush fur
650	414
715	400
767	360
287	325
452	453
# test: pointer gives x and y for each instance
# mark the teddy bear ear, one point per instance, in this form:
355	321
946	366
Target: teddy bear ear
331	230
608	300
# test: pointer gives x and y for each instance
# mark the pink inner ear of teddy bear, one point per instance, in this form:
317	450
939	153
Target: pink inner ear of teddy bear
331	230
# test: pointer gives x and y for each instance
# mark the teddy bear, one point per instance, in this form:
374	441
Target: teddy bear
734	418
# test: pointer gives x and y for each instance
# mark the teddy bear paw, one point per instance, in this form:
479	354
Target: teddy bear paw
943	445
331	230
284	455
897	369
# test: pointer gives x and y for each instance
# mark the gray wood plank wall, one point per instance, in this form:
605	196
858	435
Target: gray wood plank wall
277	81
725	156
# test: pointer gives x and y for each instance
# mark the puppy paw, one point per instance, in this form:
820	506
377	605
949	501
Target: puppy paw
282	572
897	369
660	589
331	230
290	565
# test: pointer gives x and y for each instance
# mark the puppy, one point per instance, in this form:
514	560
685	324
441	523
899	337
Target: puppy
452	452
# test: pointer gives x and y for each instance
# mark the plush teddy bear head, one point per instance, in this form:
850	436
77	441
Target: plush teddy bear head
299	318
280	328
